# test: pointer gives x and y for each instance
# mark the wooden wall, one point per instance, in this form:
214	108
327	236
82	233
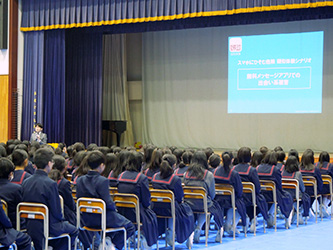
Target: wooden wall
4	108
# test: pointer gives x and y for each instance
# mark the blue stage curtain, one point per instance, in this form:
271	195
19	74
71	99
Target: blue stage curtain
32	106
83	86
51	14
54	85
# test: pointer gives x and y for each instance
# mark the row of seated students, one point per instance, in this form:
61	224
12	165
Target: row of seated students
164	170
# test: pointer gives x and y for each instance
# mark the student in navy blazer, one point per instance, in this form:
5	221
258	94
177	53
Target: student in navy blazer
41	189
93	185
20	160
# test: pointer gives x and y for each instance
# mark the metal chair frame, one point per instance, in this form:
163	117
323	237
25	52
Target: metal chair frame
269	185
310	181
288	183
327	179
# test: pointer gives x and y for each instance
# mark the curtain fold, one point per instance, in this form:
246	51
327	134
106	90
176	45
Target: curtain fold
83	115
54	85
51	14
33	79
115	93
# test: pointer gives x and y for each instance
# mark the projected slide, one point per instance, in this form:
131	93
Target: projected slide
280	73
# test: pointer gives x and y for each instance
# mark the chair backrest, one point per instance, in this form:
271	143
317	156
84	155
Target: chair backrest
196	193
311	181
4	206
225	189
164	196
113	190
69	177
62	205
128	201
74	195
31	210
327	180
291	184
93	206
268	185
249	188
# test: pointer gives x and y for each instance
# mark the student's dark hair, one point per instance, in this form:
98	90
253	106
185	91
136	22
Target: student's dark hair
55	175
244	155
148	152
208	151
185	159
123	158
21	146
270	158
104	150
3	152
166	151
39	125
70	151
134	162
278	148
170	158
323	157
19	156
58	151
42	157
10	149
214	160
95	158
172	148
78	146
226	158
256	159
178	153
291	165
92	146
156	159
83	168
59	163
200	158
165	169
307	161
110	164
6	167
264	150
116	150
294	152
26	142
281	155
78	158
196	170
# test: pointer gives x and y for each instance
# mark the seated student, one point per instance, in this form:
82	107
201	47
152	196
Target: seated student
199	175
8	235
227	175
20	160
184	227
93	185
119	168
110	164
154	165
9	192
281	156
308	169
178	153
291	171
214	161
256	159
267	170
41	189
58	174
326	168
133	182
249	174
183	165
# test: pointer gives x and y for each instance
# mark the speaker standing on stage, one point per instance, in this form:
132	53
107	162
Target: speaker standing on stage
38	135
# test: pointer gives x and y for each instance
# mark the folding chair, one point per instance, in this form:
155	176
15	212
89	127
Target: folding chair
269	186
74	195
96	206
12	245
249	188
62	204
37	211
113	190
310	181
292	184
69	177
227	189
4	206
165	196
327	180
199	193
125	200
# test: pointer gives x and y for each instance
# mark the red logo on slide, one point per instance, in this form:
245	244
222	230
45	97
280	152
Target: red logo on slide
235	44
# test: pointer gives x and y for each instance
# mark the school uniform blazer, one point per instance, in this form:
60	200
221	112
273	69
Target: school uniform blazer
173	183
7	233
150	173
65	190
20	176
12	194
248	174
30	168
41	189
316	173
42	136
232	178
112	179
